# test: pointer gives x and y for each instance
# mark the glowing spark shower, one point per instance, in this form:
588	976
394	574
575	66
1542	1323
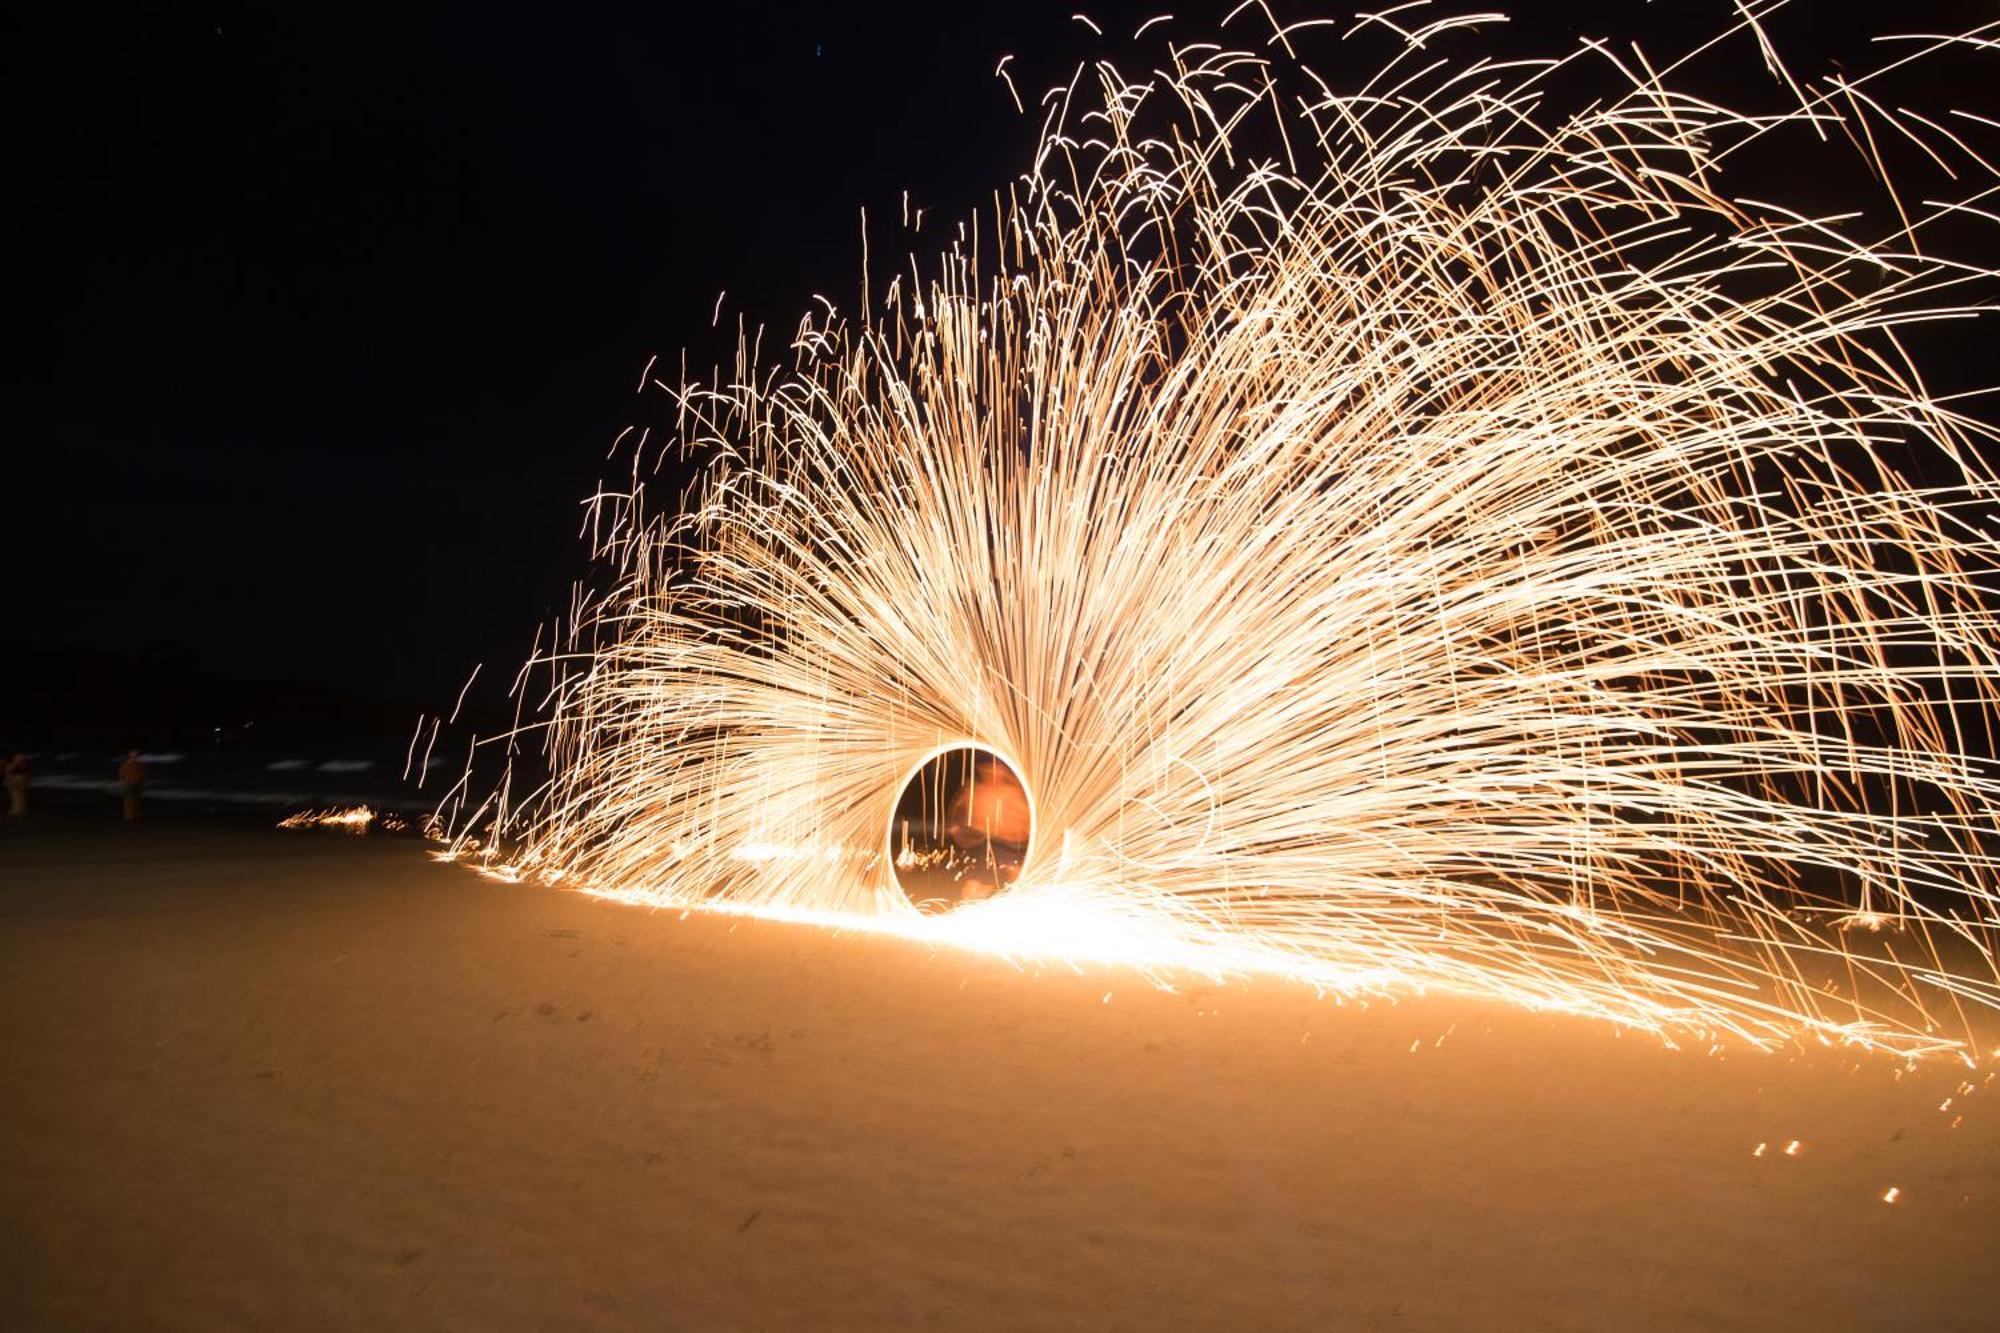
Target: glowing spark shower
355	819
1441	531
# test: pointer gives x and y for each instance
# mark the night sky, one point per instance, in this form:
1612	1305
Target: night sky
322	321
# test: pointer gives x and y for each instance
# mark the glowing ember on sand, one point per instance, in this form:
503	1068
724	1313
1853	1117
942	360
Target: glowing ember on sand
1425	534
357	818
354	819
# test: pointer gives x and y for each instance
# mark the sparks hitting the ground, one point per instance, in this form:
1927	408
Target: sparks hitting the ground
352	819
1433	533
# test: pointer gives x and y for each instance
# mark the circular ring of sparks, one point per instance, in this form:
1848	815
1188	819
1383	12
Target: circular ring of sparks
939	752
1463	550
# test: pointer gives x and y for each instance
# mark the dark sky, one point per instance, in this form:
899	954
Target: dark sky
322	320
327	318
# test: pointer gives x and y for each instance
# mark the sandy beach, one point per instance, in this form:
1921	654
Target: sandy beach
267	1080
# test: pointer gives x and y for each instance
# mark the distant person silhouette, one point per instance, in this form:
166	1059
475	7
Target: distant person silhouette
17	785
131	782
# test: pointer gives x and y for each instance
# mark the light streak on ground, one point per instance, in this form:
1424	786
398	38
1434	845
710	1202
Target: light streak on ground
352	819
355	818
1429	534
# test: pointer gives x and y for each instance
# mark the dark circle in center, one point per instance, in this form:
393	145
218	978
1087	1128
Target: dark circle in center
961	829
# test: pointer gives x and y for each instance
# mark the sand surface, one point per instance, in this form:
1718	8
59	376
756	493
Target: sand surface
264	1080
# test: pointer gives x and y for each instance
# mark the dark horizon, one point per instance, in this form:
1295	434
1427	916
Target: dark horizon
328	320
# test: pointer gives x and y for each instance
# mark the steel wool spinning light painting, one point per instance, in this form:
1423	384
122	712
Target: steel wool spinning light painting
1436	531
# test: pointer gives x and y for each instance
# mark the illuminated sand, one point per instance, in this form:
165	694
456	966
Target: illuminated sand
306	1081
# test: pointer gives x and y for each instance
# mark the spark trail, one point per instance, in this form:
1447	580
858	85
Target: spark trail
1427	534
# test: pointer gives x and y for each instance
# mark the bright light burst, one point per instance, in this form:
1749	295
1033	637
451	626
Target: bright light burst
352	819
1435	533
355	819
